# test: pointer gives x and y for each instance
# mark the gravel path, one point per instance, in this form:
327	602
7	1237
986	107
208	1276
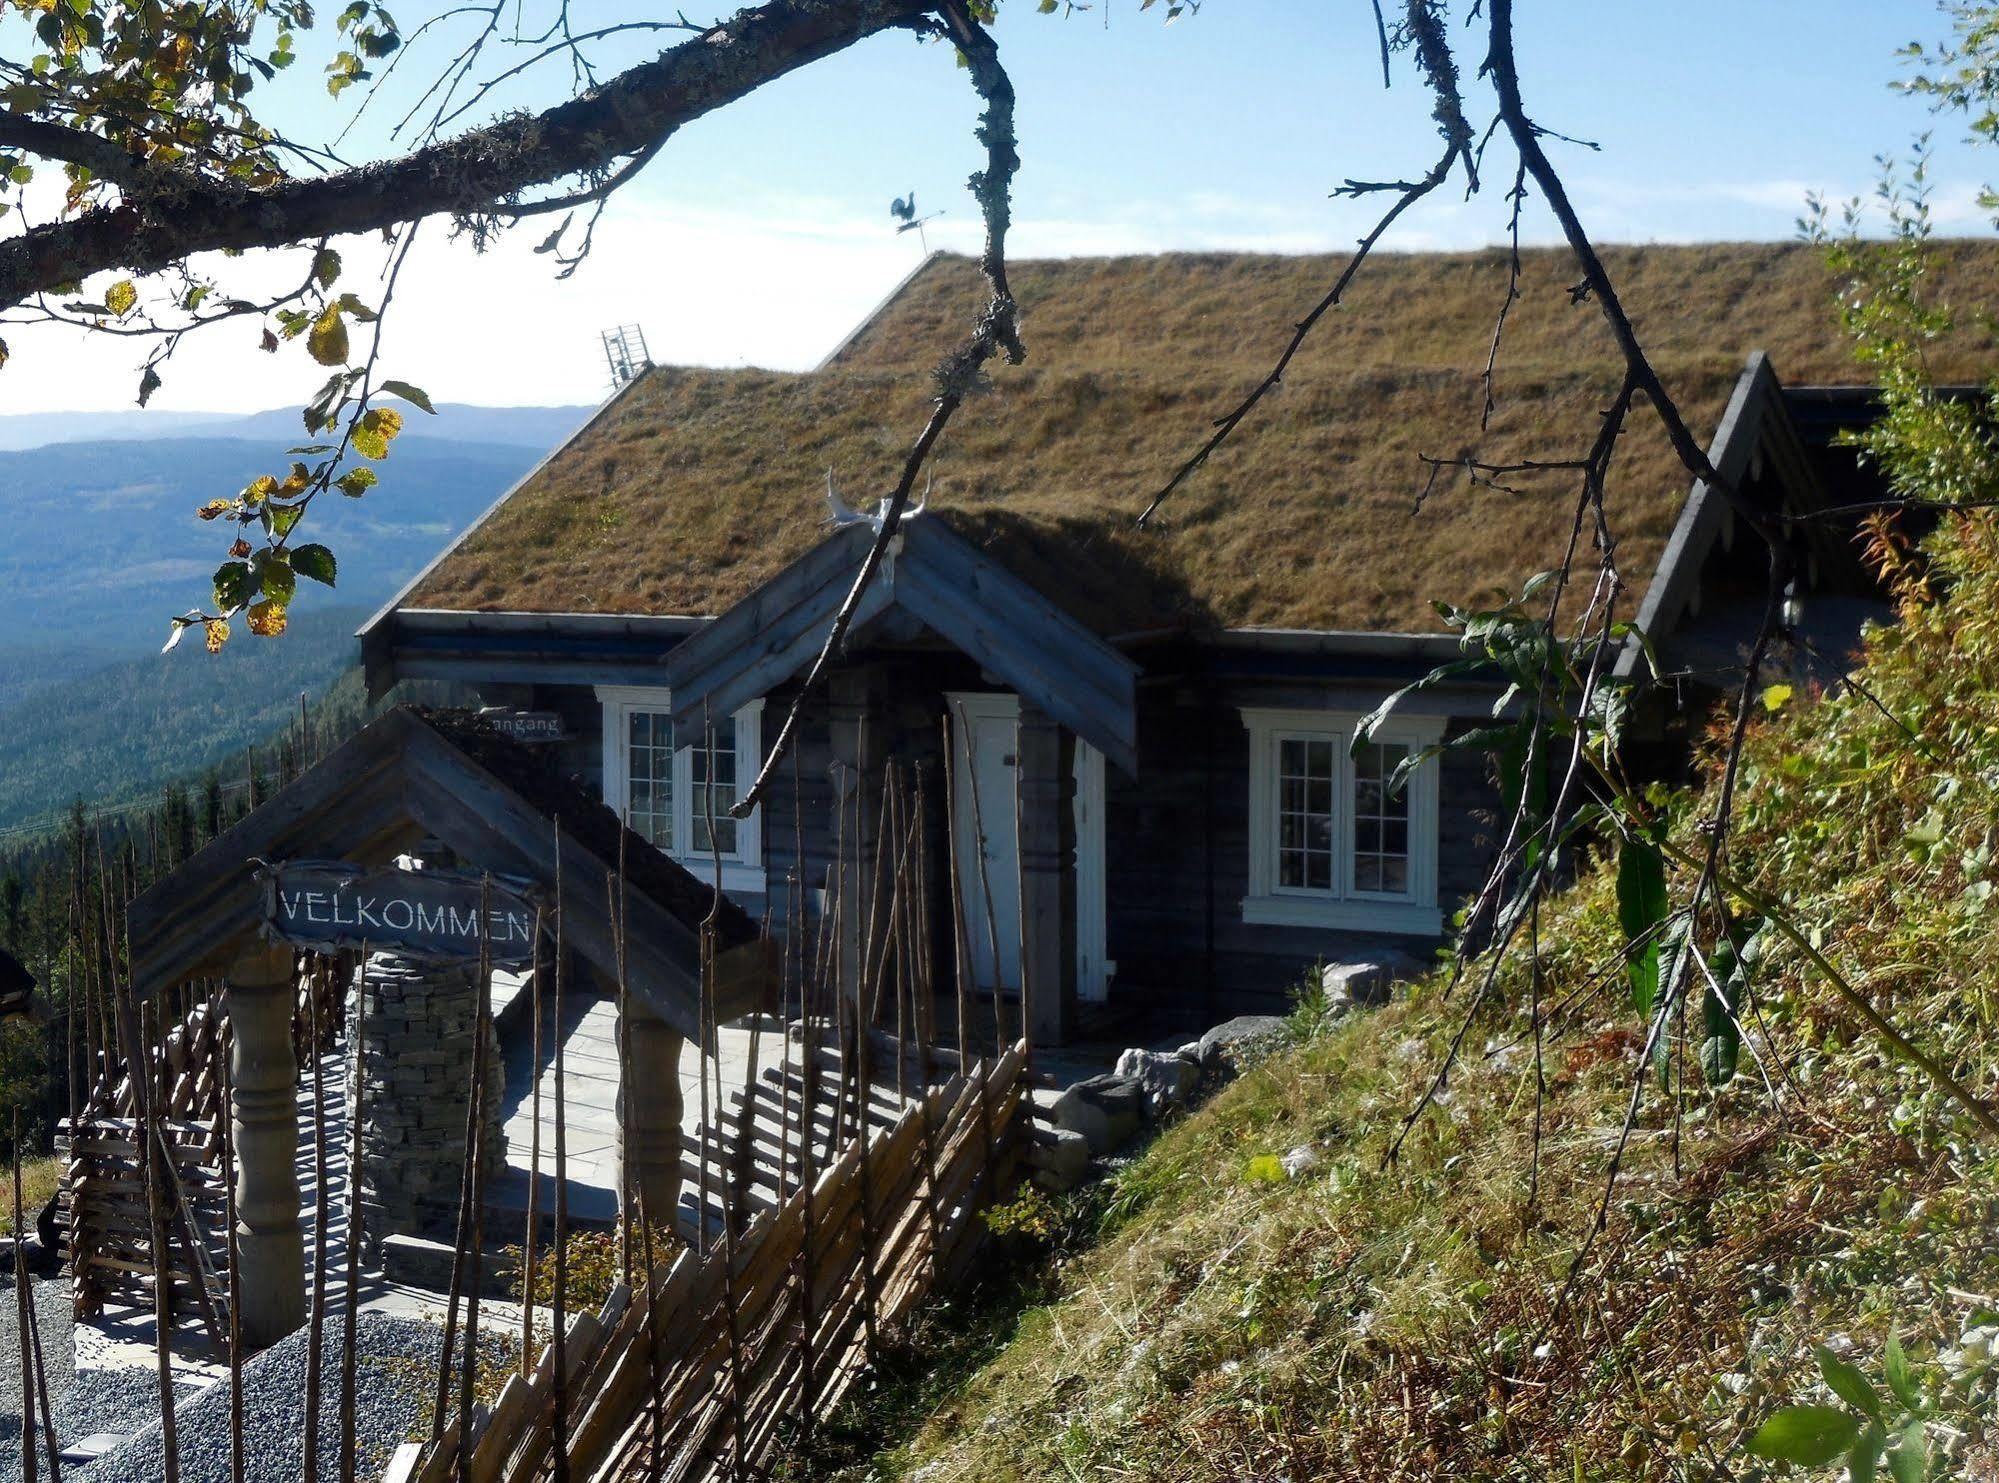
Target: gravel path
395	1371
52	1319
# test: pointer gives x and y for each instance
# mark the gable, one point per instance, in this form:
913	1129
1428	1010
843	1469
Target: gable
410	776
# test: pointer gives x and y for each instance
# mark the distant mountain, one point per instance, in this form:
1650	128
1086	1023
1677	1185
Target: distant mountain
102	538
526	427
100	545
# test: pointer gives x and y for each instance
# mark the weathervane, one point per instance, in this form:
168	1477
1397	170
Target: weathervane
903	209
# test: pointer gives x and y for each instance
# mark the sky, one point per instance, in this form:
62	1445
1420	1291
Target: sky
761	234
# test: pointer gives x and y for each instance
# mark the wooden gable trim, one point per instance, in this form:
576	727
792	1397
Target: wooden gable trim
393	783
1755	423
940	579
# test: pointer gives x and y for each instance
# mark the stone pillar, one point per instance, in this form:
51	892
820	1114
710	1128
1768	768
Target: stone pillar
860	747
417	1044
1047	875
649	1114
263	1110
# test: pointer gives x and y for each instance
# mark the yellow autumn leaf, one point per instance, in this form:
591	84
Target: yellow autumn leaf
327	342
266	618
376	428
121	297
214	508
1775	697
260	489
215	633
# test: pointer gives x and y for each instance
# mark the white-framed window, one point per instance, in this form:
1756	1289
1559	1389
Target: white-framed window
1331	844
667	793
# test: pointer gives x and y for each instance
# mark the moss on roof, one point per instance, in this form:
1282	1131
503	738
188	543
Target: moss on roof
696	485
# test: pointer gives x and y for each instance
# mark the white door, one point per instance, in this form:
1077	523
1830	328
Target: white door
1093	977
986	729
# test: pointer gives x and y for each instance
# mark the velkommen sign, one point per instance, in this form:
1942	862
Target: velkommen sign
436	915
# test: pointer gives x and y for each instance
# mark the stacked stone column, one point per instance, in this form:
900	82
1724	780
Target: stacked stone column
417	1043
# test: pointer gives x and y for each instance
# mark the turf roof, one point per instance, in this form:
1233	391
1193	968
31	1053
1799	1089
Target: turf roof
696	486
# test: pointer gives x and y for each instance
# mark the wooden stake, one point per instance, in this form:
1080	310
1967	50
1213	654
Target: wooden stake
25	1320
356	1104
315	1326
483	1014
559	1377
534	1158
236	1458
156	1225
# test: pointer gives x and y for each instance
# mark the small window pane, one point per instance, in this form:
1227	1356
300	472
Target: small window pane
1381	822
1305	813
649	777
713	773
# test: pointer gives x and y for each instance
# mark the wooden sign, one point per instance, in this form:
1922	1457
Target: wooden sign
433	915
536	728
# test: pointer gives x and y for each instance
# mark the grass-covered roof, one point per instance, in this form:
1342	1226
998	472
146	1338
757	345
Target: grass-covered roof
696	486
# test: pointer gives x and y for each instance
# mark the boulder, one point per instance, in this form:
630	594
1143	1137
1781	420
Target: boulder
1059	1158
1166	1079
1224	1046
1104	1109
1366	983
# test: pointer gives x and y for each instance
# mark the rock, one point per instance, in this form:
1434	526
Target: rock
1060	1159
1366	983
1104	1109
1301	1160
1224	1045
1165	1079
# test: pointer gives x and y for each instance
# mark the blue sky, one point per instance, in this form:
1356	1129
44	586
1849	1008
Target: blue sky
762	233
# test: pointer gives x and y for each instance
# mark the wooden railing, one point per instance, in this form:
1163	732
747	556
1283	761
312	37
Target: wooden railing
102	1207
703	1371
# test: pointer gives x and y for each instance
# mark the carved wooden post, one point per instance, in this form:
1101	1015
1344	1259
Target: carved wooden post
859	741
1047	877
263	1071
649	1112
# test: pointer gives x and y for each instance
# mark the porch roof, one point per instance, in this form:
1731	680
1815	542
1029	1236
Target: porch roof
412	775
940	580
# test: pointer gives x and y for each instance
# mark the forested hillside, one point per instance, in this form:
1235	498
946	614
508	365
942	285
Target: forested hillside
117	732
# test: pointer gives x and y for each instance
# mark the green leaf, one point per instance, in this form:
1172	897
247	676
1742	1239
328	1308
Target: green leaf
276	576
315	562
1910	1461
1863	1460
1895	1370
1848	1383
1641	913
356	482
232	585
325	267
412	394
1809	1435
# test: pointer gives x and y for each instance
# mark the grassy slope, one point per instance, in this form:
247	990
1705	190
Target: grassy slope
1388	1321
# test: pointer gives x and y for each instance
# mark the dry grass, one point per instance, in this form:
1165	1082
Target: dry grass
699	485
40	1179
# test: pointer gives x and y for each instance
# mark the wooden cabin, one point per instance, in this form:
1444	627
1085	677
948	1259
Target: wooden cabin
1150	724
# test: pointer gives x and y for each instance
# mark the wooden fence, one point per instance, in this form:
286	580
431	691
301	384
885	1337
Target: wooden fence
102	1207
707	1369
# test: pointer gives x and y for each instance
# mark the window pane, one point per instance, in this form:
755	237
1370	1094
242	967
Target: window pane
1381	822
649	777
713	773
1305	813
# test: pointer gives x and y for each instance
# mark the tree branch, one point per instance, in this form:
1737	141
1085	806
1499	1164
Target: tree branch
170	213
